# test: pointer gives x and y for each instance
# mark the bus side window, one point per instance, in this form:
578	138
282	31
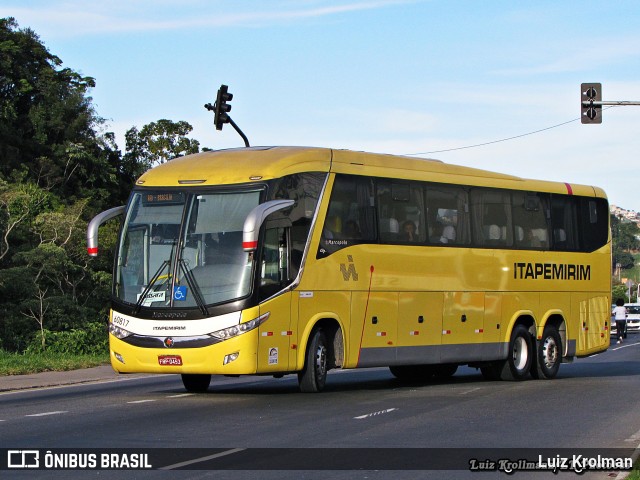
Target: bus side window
400	212
563	222
594	220
387	215
492	220
350	216
447	219
530	221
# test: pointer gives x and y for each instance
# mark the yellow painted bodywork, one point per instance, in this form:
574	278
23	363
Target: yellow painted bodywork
388	296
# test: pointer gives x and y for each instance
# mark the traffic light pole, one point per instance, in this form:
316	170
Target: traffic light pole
620	103
591	103
237	129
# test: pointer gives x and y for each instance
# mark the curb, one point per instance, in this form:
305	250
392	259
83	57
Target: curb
11	383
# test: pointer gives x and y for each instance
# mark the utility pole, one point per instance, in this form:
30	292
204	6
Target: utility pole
591	103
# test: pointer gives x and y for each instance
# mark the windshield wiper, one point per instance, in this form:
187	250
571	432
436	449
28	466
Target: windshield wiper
193	284
148	288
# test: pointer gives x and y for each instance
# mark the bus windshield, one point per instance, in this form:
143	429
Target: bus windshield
180	249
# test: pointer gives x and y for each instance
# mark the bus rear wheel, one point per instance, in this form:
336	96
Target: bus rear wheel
196	383
518	363
313	377
549	354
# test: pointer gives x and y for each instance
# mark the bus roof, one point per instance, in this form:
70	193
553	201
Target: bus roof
245	165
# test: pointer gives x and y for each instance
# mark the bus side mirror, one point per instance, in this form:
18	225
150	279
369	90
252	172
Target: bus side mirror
94	224
254	221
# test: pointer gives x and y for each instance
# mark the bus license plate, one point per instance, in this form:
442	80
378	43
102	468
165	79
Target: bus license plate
169	360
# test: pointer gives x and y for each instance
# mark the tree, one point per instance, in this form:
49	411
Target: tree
158	142
20	203
58	167
619	291
48	126
624	239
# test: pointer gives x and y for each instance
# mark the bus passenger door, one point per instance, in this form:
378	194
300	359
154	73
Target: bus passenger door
379	311
274	343
274	275
419	327
462	326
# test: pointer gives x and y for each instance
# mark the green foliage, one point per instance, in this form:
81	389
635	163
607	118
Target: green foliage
159	142
57	170
619	291
91	339
625	239
22	364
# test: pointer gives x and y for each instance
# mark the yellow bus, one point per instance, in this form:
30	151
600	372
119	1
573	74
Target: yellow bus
287	260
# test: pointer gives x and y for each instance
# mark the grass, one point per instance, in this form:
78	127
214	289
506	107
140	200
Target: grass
635	473
19	364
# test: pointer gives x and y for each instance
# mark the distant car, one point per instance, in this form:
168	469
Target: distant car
633	317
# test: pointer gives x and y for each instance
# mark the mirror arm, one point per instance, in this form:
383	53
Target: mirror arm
254	221
94	224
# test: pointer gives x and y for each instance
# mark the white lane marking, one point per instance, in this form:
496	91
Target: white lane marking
142	401
623	345
44	414
470	391
202	459
374	414
180	395
634	438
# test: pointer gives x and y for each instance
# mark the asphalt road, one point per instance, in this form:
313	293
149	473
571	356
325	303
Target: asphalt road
594	403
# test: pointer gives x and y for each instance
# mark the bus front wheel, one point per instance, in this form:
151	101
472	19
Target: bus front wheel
518	363
314	374
196	383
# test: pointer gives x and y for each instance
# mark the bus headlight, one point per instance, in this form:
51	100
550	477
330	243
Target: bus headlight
230	332
118	332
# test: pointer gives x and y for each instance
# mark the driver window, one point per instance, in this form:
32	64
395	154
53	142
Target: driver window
274	265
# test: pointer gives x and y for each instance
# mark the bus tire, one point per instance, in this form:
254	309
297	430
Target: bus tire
549	354
313	376
196	383
518	363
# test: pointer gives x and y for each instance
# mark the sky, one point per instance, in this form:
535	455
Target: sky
491	84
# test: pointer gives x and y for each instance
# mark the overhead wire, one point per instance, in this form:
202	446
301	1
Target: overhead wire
500	140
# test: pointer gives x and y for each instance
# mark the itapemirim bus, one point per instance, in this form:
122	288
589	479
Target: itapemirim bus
291	260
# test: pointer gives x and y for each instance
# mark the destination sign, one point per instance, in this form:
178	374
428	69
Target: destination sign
164	198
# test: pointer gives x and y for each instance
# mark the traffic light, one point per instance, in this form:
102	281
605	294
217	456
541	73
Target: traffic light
589	94
221	111
222	108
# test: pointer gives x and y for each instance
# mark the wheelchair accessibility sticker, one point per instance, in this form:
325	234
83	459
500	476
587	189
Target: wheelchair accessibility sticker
180	293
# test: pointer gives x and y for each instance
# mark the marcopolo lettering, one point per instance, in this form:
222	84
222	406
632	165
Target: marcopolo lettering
551	271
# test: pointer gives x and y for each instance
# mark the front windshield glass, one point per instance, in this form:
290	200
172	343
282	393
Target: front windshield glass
184	250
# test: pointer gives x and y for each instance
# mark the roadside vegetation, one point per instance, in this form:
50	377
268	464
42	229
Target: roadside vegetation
59	166
27	363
